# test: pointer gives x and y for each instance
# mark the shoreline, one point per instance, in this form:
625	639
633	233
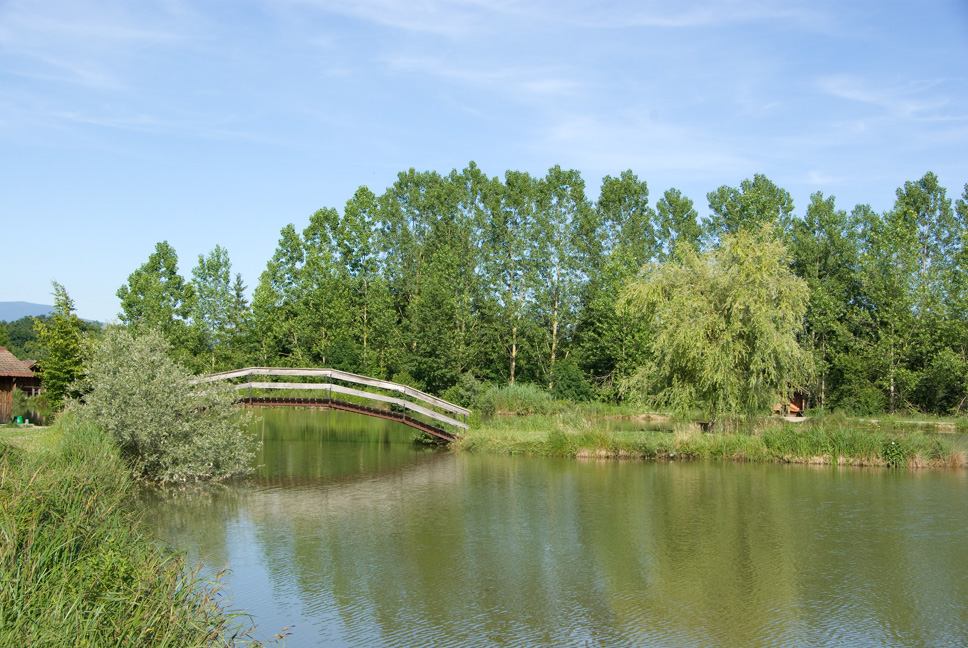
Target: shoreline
833	442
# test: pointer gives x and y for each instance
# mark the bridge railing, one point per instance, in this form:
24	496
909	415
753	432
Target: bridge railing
345	376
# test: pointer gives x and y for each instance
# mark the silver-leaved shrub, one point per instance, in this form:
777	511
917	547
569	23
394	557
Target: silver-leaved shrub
168	428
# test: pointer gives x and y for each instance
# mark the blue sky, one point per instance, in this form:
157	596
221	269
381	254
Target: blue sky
218	122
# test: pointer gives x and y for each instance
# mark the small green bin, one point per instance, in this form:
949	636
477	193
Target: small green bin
20	420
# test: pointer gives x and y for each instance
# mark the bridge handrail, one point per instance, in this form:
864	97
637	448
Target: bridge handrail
437	416
336	374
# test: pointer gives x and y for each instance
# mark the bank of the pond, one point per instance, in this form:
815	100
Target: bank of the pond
823	441
75	568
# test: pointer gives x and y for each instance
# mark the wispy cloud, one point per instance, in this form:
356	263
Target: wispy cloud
452	18
522	82
460	17
615	142
82	42
907	100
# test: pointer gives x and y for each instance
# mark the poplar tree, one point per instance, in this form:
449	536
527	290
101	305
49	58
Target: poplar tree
611	341
824	255
214	301
276	303
755	203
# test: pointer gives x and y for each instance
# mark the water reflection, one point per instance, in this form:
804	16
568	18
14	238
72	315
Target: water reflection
380	543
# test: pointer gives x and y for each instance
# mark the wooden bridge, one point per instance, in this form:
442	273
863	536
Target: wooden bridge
443	417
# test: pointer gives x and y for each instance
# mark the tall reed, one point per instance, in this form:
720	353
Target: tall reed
75	568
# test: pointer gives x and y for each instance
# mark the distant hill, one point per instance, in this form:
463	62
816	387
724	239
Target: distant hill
12	311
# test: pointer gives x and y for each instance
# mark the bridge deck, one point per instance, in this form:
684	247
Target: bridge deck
334	403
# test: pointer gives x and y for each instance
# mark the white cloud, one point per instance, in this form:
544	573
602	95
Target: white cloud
620	141
907	100
525	83
78	42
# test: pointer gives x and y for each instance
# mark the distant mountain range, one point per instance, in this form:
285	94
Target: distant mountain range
12	311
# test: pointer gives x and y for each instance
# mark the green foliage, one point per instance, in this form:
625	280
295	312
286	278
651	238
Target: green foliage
215	304
77	570
166	428
894	453
468	392
157	298
520	398
757	203
508	277
678	224
725	324
60	337
570	383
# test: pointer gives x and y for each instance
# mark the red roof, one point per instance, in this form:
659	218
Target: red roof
10	366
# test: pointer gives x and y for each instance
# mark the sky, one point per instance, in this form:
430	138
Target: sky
218	122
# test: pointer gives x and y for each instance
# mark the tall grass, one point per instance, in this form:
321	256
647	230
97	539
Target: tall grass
772	440
75	569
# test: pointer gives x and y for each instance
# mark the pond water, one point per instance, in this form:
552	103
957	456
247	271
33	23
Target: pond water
350	535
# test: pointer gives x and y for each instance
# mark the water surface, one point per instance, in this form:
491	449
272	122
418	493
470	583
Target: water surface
352	536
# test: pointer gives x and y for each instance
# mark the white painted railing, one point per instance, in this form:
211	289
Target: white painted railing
345	376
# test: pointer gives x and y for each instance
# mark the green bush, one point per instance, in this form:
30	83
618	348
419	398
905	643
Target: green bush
521	399
570	382
893	452
166	427
466	393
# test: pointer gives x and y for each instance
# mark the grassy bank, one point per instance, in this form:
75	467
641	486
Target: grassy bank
75	568
829	440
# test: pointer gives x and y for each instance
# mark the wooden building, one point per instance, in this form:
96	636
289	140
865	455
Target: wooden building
13	373
31	386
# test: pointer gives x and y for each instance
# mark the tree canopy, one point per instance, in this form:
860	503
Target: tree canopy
725	327
515	278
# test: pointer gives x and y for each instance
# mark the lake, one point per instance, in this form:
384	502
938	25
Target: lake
350	534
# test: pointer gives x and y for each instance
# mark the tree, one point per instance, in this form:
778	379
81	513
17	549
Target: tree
276	302
824	255
156	297
609	341
508	243
168	428
60	337
909	279
214	301
324	314
677	223
564	235
373	326
756	203
725	324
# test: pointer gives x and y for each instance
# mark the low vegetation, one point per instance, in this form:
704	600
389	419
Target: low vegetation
560	431
165	427
77	569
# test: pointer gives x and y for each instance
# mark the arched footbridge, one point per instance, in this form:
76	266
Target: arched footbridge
391	400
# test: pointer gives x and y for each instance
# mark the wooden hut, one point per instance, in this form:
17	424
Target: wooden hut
13	373
31	386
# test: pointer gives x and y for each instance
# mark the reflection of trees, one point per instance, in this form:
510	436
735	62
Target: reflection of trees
194	518
403	549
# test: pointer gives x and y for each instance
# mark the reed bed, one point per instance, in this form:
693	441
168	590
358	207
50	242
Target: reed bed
75	568
826	441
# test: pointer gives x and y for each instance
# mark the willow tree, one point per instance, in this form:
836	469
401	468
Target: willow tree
725	325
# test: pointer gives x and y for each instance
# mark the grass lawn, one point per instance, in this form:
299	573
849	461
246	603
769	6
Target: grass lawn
30	438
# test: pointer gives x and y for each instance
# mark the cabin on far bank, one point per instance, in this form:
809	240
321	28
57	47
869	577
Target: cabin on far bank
794	406
14	373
